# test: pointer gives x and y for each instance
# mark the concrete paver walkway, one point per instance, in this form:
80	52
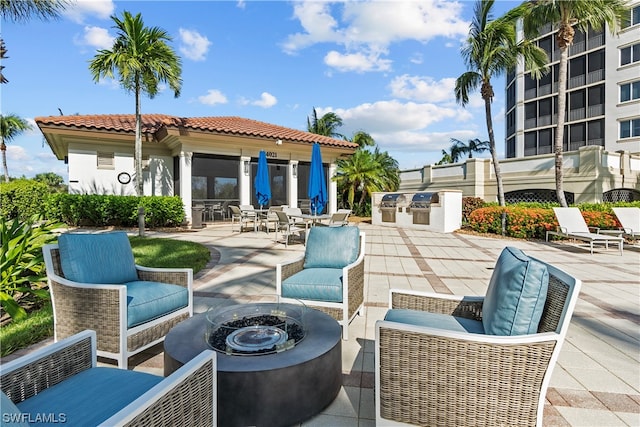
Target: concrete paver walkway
596	381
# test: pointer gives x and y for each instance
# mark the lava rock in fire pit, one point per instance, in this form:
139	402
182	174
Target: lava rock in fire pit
218	338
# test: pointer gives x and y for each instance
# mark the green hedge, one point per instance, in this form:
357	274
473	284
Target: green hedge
107	210
23	198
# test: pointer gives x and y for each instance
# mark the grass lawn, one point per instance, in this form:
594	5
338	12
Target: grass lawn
148	252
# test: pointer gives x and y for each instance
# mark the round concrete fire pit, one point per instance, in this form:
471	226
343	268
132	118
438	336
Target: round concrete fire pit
276	389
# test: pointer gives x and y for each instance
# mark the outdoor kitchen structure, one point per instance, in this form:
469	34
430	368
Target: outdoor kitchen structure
439	211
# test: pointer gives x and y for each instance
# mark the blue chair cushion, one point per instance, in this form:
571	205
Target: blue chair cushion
317	284
103	258
91	396
149	300
516	295
331	247
434	320
11	415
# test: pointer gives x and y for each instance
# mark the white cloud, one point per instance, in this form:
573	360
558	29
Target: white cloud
78	10
16	153
95	37
193	45
423	88
266	100
213	97
358	62
365	29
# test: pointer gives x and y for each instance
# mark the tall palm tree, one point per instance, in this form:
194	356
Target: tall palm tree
326	125
22	11
491	50
363	139
567	15
142	58
10	127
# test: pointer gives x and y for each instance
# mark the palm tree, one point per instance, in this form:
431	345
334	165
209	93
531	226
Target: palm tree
143	60
10	127
473	146
491	50
22	11
326	125
363	139
568	15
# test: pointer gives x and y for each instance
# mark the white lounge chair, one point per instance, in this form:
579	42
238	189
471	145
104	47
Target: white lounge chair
630	220
573	226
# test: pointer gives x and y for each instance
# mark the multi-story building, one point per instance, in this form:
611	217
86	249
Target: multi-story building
603	94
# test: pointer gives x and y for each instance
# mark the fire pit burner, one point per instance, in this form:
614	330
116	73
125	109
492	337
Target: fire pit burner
255	329
253	338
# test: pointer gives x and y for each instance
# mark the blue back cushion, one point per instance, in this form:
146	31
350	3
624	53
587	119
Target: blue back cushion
331	247
103	258
516	295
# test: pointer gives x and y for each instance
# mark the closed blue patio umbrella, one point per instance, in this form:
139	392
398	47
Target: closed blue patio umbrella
262	184
317	189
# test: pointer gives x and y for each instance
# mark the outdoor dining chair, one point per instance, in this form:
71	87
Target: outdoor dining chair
288	227
243	218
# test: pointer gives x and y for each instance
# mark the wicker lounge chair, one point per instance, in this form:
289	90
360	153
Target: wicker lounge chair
436	373
61	384
102	305
573	226
329	276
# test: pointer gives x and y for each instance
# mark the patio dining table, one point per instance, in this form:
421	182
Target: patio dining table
310	219
258	214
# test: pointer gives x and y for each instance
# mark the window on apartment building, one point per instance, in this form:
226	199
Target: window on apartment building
530	115
105	160
629	128
577	105
544	112
630	54
630	91
530	85
546	44
545	141
577	71
595	101
595	132
577	136
530	148
511	148
633	18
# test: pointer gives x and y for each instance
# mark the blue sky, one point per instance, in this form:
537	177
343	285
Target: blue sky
387	68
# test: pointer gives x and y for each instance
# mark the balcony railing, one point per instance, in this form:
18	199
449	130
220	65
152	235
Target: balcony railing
530	123
576	81
595	76
595	110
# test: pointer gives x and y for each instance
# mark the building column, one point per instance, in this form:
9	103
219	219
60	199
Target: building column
333	189
245	180
185	182
293	183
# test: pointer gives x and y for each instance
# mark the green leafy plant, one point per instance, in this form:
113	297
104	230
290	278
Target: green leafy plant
21	262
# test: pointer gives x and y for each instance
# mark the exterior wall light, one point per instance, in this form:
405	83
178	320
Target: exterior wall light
295	170
246	167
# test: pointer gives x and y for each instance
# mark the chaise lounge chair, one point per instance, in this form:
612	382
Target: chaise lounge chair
573	226
630	220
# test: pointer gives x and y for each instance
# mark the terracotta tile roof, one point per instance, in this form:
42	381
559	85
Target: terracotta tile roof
231	125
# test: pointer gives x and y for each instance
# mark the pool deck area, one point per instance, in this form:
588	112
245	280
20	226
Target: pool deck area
596	381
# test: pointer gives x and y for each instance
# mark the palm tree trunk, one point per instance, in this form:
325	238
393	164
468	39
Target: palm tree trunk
487	92
137	158
3	147
562	108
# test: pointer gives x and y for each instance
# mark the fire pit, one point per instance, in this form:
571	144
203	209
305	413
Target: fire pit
278	364
255	329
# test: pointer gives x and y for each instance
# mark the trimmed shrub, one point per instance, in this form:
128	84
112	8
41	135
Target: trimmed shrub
23	198
111	210
470	204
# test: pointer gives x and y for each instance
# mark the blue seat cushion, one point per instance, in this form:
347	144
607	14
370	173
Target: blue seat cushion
149	300
435	320
103	258
516	294
11	415
331	247
90	397
317	284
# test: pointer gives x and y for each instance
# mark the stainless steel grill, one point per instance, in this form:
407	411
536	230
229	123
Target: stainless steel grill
389	205
420	207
